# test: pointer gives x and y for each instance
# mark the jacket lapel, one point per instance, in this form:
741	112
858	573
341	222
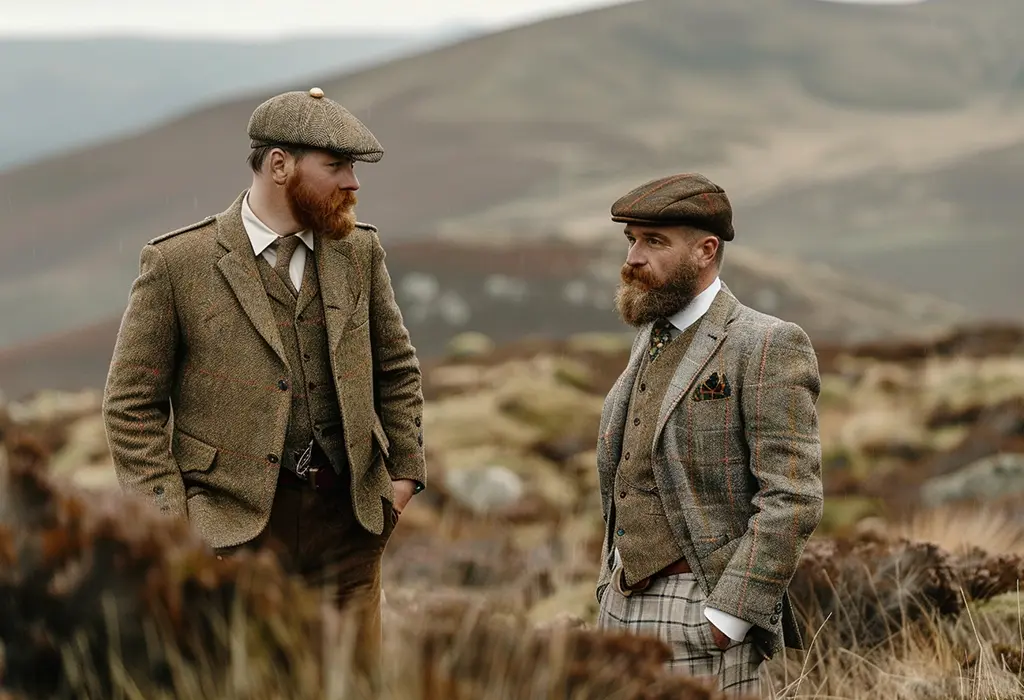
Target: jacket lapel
335	268
238	266
710	334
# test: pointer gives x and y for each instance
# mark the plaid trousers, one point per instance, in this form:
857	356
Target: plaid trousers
672	608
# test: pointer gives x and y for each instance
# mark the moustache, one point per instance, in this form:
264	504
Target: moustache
638	276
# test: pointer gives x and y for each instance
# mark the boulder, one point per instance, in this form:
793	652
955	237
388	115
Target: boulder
986	479
469	344
485	489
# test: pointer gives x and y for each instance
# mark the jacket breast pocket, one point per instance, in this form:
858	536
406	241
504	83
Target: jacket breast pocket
719	446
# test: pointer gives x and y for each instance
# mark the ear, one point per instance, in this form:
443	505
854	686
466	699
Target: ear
706	250
280	165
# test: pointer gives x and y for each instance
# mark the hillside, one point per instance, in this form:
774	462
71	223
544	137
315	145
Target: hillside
119	85
534	290
909	587
867	136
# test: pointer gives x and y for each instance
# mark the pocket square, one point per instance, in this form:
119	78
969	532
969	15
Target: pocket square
714	387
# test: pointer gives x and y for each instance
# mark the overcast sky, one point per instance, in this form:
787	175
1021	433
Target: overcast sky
271	18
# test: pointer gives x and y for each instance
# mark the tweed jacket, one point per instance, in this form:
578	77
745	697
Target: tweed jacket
738	471
197	402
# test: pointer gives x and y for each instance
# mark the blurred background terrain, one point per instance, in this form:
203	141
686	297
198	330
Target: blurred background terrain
874	155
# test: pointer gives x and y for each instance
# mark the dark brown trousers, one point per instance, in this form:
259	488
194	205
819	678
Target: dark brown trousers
317	536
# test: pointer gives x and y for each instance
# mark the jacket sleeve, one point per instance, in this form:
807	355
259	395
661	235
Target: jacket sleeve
136	398
397	378
780	389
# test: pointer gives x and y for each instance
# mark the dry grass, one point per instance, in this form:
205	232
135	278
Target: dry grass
101	598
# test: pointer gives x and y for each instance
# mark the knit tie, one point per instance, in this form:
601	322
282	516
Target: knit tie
285	247
660	337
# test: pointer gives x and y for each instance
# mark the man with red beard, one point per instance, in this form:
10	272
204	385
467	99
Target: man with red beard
272	332
709	458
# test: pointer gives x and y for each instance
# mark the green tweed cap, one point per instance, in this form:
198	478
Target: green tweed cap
312	120
687	199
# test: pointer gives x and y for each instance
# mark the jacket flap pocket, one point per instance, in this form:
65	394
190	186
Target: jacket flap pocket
382	438
192	455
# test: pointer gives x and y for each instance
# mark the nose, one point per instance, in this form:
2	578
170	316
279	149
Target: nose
349	181
635	256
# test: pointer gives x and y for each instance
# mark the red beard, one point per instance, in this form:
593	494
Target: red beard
333	216
641	298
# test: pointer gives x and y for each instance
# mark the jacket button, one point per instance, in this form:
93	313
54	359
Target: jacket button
620	532
778	607
272	459
643	386
418	421
627	456
158	490
282	385
774	619
622	494
636	421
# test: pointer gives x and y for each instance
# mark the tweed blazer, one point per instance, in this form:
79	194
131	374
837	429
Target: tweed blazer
197	399
738	470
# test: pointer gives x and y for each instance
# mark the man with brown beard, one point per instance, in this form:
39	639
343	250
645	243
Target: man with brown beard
708	456
272	333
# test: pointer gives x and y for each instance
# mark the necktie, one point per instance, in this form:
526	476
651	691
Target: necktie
284	248
660	337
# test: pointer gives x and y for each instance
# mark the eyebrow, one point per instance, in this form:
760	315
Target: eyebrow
642	232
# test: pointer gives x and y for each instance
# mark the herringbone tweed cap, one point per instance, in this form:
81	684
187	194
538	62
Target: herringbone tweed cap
312	120
688	199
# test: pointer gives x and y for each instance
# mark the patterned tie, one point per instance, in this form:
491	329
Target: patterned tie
285	247
660	337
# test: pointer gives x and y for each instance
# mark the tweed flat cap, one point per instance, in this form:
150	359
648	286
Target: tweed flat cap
312	120
688	199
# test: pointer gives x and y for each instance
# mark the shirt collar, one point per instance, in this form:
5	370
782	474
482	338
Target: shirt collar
696	308
262	236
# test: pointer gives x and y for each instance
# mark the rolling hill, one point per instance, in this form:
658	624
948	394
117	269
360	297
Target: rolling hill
535	291
118	85
883	140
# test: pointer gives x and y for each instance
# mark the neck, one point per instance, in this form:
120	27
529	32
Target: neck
706	279
268	203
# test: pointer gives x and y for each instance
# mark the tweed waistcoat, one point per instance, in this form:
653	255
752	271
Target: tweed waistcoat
315	412
643	535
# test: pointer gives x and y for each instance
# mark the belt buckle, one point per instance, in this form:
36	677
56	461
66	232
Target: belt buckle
302	462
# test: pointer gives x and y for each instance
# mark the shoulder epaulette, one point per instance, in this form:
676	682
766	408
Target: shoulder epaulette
368	227
183	229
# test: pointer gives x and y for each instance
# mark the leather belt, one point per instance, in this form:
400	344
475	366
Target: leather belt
318	473
680	566
675	568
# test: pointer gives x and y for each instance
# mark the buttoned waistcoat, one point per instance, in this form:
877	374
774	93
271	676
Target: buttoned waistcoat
197	399
738	470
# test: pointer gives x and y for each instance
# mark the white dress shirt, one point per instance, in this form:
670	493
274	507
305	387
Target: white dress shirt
262	238
735	628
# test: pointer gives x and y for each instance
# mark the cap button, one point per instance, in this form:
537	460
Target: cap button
317	93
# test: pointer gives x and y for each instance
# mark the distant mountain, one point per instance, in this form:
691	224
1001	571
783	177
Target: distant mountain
538	289
59	94
884	140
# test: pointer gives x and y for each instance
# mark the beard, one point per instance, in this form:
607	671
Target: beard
332	216
640	299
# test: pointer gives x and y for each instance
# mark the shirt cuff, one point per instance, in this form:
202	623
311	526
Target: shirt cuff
733	627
